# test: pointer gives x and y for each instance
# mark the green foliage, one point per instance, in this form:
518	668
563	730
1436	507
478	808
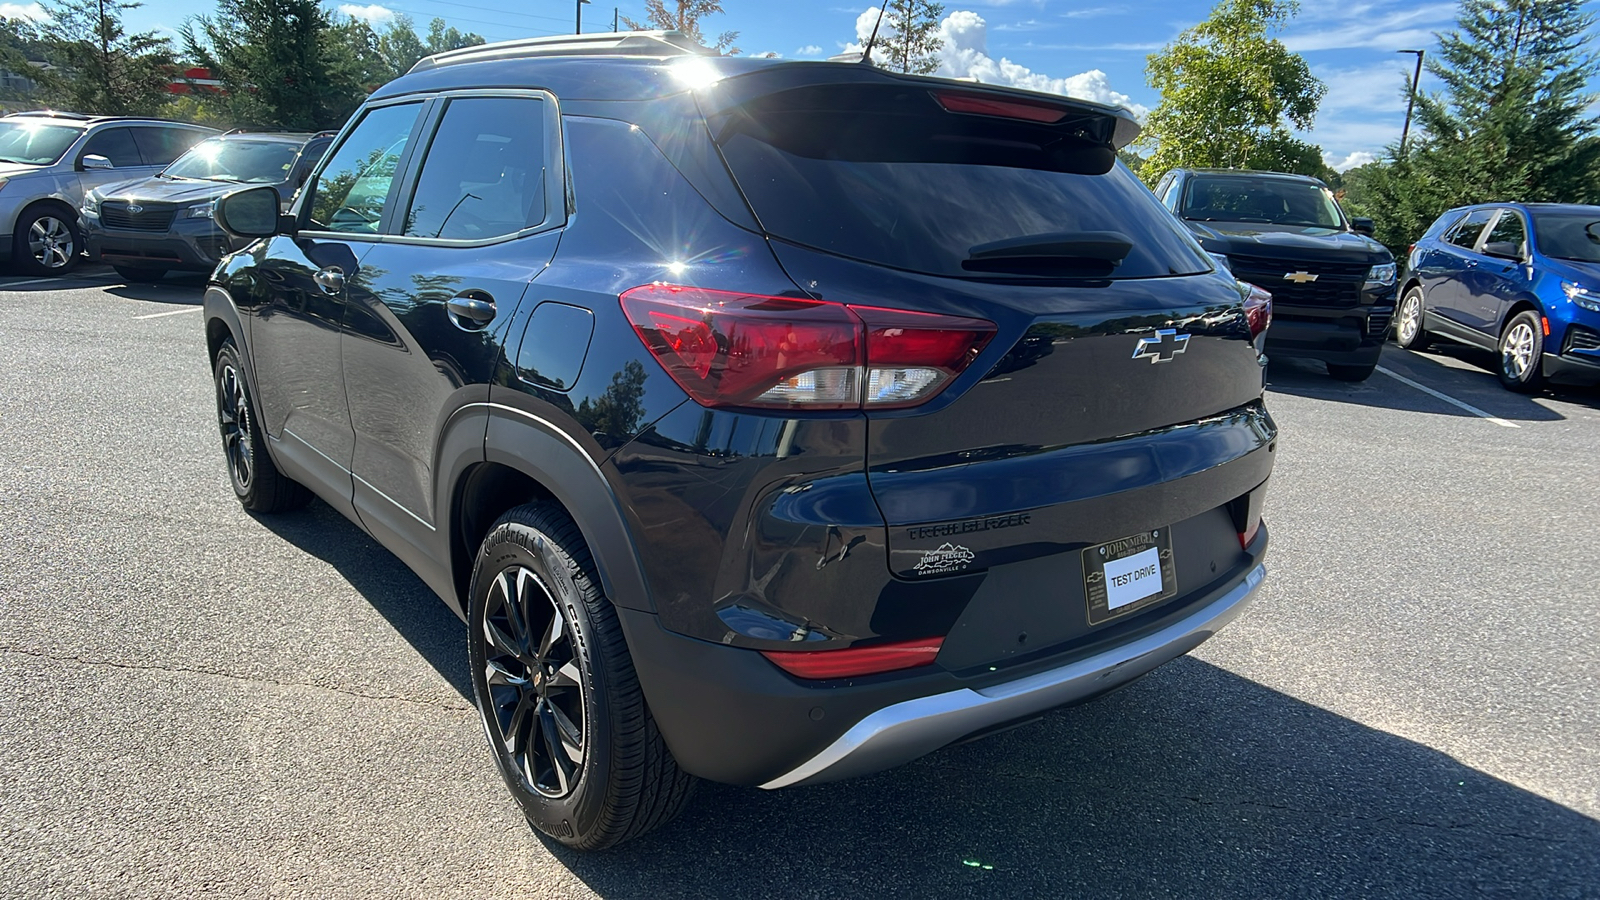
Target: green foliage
18	44
97	67
282	63
399	47
685	16
1230	94
909	39
1513	122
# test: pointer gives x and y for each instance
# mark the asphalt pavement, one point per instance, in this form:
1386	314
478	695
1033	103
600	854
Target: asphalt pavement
195	702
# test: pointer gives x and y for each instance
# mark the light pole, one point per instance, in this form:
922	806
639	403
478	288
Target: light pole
1411	102
579	27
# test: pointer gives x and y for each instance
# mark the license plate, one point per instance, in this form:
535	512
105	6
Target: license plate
1127	575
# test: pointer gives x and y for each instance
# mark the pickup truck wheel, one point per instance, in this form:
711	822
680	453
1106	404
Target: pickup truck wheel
1408	330
46	242
556	689
1352	373
1521	356
257	482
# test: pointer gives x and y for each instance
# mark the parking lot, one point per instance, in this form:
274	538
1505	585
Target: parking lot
195	702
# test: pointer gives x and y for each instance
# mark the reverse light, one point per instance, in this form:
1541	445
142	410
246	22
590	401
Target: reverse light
1005	108
1581	296
730	349
852	661
1381	276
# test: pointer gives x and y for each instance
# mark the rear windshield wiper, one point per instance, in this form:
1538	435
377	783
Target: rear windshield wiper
1093	253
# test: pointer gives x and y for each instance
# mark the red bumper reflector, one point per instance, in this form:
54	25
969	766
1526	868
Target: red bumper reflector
856	660
1545	321
1246	538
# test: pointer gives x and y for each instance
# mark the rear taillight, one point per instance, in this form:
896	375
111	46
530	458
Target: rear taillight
856	660
1258	310
1005	108
731	349
1248	536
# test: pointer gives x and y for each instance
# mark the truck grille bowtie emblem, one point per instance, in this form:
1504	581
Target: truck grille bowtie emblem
1162	346
1300	277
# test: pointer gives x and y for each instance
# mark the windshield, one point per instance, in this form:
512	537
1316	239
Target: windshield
35	143
1269	201
1569	235
246	162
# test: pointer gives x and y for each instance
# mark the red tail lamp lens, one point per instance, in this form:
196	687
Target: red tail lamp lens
1006	108
856	660
731	349
1258	310
1248	536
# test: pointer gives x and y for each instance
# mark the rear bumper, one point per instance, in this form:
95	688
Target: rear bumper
729	715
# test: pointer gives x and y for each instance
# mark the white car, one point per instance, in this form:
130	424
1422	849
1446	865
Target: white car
48	160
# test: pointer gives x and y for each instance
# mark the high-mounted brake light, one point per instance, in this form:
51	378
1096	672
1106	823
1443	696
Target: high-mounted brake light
981	105
1257	310
851	661
732	349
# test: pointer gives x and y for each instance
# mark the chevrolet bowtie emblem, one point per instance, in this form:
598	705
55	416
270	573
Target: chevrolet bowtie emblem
1161	347
1300	277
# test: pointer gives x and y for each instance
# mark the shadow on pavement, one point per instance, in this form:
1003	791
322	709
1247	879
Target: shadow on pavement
181	289
1307	378
414	610
1193	782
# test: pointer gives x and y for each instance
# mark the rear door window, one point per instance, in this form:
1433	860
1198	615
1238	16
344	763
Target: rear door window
353	190
484	174
891	176
1465	234
1507	233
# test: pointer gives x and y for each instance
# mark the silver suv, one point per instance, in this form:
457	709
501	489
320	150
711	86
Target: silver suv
49	159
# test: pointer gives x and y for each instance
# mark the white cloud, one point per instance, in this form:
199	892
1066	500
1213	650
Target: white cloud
808	50
33	12
373	14
966	55
1357	158
1380	25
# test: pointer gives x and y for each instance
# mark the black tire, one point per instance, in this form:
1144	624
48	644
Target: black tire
138	275
572	676
1352	373
258	484
46	241
1410	334
1521	348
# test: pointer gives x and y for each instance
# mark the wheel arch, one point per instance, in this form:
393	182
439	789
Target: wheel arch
1521	304
46	203
1413	282
528	458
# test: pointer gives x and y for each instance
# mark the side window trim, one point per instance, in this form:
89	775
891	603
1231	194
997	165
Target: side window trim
128	129
302	210
555	176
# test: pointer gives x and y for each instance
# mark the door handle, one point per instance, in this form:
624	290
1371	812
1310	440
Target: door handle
330	279
471	310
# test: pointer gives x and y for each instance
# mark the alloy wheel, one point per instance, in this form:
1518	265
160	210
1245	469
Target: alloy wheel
1516	351
1410	318
536	693
235	420
50	241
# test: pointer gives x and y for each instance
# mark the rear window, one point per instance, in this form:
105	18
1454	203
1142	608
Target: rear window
888	175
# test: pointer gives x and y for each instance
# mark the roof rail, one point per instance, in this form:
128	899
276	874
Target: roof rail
52	114
606	43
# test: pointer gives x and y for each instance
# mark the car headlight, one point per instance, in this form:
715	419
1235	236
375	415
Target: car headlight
1582	296
90	207
1222	262
1381	276
206	210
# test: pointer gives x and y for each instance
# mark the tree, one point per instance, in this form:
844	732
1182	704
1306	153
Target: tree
96	66
908	40
19	48
400	47
1230	94
282	63
1513	122
685	17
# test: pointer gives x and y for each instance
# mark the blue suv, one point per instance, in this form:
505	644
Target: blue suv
1522	279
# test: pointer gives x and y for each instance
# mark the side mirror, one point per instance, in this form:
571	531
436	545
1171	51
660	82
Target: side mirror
95	161
1363	225
253	214
1503	250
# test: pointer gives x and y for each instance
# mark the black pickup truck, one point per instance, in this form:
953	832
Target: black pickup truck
1332	285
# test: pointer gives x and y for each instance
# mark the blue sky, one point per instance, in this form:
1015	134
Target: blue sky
1047	44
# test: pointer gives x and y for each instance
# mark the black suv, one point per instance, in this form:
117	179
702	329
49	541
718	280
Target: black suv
767	422
1332	285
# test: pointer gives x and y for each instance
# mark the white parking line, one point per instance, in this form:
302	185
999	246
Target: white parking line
1448	399
175	312
55	281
